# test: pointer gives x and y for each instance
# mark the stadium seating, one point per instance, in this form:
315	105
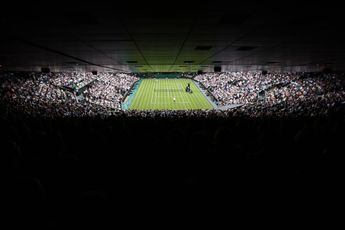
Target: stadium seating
85	94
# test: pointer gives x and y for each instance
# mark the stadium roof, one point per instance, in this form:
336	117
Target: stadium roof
171	36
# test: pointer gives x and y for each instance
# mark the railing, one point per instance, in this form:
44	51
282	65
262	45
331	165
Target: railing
130	90
124	102
207	91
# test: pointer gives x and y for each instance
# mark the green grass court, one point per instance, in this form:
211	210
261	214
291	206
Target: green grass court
158	94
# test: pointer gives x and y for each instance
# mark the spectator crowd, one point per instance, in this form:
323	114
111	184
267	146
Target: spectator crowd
58	94
276	93
83	94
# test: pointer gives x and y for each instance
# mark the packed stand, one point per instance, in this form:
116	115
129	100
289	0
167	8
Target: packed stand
39	94
73	80
109	89
276	93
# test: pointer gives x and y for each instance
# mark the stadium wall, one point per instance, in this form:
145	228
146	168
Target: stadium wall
127	99
203	88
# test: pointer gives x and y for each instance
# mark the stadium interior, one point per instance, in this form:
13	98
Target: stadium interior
176	107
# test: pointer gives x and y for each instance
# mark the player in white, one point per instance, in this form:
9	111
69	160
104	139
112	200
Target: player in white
174	99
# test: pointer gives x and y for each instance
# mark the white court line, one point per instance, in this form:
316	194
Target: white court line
187	102
163	103
165	84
